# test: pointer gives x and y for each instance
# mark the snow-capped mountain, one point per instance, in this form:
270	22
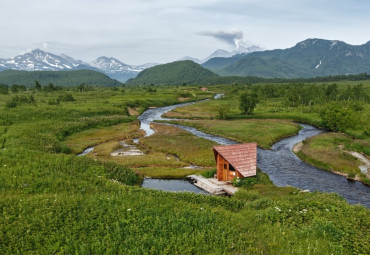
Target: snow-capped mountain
110	65
225	54
38	60
218	54
118	70
245	50
198	61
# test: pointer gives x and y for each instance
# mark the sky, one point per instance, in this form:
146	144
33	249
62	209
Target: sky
160	31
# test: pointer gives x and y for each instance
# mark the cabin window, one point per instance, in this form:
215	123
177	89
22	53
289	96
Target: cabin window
231	168
225	166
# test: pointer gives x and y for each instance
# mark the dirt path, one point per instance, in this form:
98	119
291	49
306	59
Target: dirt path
366	166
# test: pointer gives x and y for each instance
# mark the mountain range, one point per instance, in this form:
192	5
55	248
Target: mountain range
309	58
38	60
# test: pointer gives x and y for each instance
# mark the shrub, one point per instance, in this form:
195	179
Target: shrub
338	118
223	112
52	101
209	174
4	89
185	94
121	173
17	100
247	102
66	98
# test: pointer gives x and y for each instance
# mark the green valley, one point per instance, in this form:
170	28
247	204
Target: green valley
53	201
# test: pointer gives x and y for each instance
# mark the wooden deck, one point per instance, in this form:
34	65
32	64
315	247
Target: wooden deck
212	185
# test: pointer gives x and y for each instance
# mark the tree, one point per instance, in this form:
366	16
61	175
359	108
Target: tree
331	92
82	87
223	111
37	86
247	102
339	118
4	89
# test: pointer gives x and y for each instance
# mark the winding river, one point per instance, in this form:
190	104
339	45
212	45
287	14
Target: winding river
280	163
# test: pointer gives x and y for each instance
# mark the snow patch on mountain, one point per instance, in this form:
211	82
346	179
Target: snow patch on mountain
38	60
225	54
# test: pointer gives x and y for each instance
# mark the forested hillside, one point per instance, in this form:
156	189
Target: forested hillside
309	58
58	78
173	73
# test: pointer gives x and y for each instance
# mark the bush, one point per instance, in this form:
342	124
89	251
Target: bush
336	117
17	100
4	89
121	173
66	98
11	103
185	94
209	174
16	88
223	112
248	182
52	101
247	102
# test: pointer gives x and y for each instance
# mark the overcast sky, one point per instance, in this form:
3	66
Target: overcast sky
141	31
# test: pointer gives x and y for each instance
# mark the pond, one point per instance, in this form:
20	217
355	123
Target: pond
171	185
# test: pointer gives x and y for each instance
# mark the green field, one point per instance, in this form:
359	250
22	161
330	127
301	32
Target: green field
329	151
264	132
54	202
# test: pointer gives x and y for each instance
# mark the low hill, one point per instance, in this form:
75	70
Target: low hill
173	73
59	78
309	58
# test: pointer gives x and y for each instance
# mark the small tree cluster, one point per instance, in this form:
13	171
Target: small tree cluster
66	98
247	102
16	88
18	100
337	117
4	89
223	112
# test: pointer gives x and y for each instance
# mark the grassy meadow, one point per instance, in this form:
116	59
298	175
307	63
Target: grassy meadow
185	146
329	151
264	132
54	202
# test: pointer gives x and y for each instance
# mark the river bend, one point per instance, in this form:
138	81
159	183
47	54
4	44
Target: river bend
280	163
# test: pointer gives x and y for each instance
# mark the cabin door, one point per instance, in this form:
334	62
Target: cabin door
224	173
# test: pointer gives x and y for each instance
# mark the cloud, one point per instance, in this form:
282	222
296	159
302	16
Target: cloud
233	37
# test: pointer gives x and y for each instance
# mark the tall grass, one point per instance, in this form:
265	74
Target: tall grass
52	202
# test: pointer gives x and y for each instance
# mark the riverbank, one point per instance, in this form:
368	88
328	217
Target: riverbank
160	164
264	132
331	152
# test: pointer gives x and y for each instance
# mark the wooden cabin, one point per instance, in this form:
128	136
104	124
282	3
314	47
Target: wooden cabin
236	160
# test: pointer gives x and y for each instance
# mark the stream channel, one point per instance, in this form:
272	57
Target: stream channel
280	163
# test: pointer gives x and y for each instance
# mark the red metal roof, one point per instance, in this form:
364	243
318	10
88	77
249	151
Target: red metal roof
243	157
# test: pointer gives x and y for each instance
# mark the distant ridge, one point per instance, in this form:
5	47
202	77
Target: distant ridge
59	78
309	58
177	72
